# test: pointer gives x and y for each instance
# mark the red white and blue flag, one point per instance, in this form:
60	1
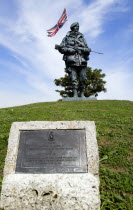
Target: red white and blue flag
61	21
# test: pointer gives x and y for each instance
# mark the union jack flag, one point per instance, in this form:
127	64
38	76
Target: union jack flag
61	21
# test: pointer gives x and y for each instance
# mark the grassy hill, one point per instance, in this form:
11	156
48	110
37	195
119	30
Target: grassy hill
114	125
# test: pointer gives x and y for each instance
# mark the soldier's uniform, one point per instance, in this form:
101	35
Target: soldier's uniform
76	53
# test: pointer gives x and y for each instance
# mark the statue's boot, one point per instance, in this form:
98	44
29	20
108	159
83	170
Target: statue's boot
82	94
75	94
82	88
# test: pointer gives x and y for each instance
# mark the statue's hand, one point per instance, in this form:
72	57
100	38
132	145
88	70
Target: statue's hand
71	50
76	49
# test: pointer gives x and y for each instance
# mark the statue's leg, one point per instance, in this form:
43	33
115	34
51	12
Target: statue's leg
82	79
73	77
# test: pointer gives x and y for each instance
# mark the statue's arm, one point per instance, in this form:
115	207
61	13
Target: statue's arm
85	49
63	48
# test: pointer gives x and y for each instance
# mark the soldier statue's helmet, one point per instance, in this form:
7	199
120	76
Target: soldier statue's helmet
74	24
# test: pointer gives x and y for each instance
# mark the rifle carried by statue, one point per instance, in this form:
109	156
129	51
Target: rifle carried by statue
58	47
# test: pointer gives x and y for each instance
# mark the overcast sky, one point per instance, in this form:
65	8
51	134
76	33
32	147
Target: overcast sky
29	63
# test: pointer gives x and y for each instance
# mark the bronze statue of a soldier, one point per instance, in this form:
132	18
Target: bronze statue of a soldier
76	53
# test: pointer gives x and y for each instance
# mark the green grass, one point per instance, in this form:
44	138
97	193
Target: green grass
114	125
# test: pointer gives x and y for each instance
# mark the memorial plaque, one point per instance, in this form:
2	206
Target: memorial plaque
52	151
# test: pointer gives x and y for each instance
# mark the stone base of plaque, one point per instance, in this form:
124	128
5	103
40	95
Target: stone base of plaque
64	190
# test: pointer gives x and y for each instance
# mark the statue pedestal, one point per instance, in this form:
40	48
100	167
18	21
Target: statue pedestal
79	98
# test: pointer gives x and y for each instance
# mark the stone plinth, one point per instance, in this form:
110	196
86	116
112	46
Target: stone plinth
57	191
91	98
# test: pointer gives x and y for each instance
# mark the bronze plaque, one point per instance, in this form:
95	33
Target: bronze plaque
52	151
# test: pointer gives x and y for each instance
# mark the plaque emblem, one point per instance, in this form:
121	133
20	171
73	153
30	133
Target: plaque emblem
51	136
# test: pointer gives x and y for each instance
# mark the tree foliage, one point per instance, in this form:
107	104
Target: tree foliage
94	83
